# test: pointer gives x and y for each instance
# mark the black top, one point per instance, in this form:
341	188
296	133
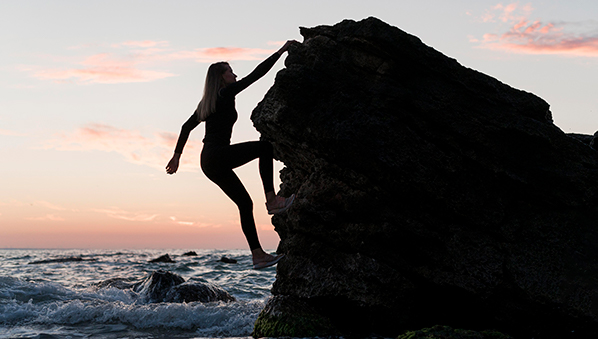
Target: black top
219	124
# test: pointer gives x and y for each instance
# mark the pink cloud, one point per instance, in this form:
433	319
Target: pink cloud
47	217
104	68
209	55
135	147
11	133
134	61
118	213
523	35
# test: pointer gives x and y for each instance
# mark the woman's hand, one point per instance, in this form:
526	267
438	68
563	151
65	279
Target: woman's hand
173	164
285	47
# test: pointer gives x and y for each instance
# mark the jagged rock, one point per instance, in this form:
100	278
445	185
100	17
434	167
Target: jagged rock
120	283
228	260
427	193
163	258
157	285
202	292
162	286
190	254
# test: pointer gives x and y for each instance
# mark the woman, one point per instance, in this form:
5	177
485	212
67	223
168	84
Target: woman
219	157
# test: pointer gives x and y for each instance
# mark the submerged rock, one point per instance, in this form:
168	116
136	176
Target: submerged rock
190	254
163	258
202	292
427	193
228	260
157	285
162	286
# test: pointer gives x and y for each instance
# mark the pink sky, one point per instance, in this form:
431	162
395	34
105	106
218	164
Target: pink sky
92	104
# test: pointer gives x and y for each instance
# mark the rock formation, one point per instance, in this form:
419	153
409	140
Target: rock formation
427	194
162	286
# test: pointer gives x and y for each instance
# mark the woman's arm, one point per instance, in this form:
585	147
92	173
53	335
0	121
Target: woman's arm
188	126
261	70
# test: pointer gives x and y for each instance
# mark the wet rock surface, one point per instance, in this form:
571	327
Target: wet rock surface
162	286
163	258
427	193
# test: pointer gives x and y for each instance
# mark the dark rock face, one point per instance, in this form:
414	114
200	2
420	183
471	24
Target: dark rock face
427	193
162	286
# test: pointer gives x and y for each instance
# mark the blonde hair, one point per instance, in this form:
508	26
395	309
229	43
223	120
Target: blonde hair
214	82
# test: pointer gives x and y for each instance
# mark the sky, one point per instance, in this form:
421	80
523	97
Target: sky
93	95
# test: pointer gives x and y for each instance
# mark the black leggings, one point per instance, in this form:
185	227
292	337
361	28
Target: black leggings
217	163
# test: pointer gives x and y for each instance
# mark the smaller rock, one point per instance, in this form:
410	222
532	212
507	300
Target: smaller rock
190	254
163	258
227	260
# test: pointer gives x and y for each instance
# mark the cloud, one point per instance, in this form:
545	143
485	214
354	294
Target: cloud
214	54
193	223
50	205
47	217
135	61
11	133
153	151
516	32
118	213
104	68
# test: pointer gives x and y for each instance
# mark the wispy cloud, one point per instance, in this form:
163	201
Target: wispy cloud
134	61
193	223
118	213
154	150
11	133
47	217
104	68
208	55
516	32
49	205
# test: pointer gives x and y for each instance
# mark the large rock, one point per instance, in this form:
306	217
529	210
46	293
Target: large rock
428	193
163	286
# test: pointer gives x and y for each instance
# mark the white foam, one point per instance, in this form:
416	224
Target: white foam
113	306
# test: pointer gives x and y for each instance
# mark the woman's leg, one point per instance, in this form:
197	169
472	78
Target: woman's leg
239	154
228	181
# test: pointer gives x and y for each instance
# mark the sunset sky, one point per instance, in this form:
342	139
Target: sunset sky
94	93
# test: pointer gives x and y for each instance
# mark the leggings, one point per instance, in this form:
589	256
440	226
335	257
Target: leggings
217	163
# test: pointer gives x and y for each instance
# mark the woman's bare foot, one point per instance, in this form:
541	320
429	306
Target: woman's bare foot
279	204
262	259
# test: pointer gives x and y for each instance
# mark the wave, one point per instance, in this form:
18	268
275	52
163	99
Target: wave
47	304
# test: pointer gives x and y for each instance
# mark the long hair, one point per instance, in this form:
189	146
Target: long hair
214	82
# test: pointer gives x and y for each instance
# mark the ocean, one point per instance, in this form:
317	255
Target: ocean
42	295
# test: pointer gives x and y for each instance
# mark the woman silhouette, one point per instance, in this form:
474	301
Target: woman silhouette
219	157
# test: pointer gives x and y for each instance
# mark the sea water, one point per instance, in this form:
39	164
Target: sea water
55	299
